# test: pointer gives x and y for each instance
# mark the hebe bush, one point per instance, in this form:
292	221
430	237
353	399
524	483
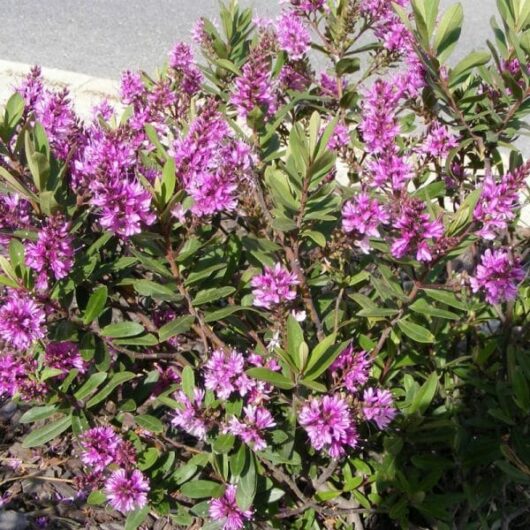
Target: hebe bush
263	297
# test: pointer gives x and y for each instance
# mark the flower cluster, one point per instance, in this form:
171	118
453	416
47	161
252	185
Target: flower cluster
498	202
293	36
250	429
254	88
226	511
64	356
329	424
361	218
22	320
274	286
497	275
126	488
211	163
190	417
417	231
52	255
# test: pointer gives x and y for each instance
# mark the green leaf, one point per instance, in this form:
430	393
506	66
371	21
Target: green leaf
445	297
115	381
318	237
463	217
448	32
199	489
136	518
150	423
211	295
16	252
248	481
14	110
324	361
269	376
168	181
377	312
465	66
223	443
38	413
238	461
38	164
424	395
295	337
47	433
521	390
348	65
143	340
422	307
228	65
188	382
90	385
222	313
155	290
96	498
122	329
175	327
416	332
96	304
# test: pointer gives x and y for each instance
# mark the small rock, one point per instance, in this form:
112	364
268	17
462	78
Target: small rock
11	520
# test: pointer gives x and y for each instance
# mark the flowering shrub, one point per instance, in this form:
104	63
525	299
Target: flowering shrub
269	297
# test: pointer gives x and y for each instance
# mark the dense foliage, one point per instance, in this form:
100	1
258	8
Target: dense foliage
266	297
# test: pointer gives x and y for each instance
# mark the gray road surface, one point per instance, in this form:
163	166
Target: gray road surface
104	37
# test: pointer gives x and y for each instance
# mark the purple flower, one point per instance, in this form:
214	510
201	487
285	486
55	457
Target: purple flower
15	212
189	417
378	406
53	110
379	125
439	141
132	87
250	429
182	62
274	286
329	85
223	371
415	230
361	217
32	88
64	356
497	275
107	156
254	87
124	206
13	373
498	202
211	193
353	367
99	446
340	137
52	255
293	79
390	170
329	425
21	320
59	120
293	36
211	163
127	490
226	511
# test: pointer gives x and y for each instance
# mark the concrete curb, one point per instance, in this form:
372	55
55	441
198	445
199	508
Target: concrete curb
86	91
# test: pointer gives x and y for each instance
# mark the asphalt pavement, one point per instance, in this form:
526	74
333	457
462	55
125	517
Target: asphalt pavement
103	37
